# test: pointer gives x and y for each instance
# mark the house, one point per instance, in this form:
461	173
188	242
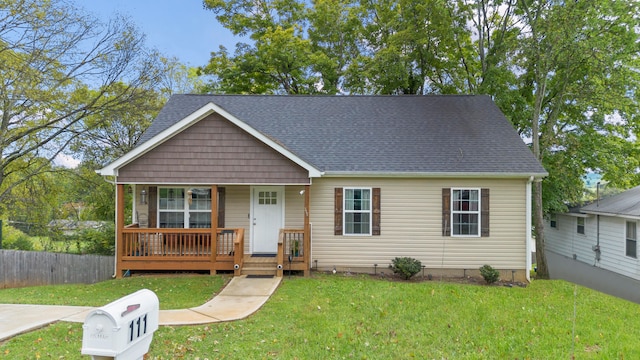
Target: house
262	184
603	233
73	227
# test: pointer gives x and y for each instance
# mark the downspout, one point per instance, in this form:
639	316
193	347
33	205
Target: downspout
115	257
596	248
528	228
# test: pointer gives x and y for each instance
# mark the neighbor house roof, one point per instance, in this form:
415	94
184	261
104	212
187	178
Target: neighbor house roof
624	204
444	134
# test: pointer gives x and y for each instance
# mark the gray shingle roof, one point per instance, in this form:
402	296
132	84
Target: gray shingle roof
626	203
379	134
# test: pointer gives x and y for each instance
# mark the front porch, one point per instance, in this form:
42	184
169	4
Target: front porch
207	249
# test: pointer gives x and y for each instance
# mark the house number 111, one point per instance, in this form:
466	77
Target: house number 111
137	327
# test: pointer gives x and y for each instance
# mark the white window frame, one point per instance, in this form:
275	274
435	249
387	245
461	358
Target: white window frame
197	211
186	208
583	226
477	212
627	238
345	211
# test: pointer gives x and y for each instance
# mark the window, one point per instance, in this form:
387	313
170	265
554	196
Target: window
631	239
199	208
171	207
465	212
179	206
267	198
553	221
580	225
357	211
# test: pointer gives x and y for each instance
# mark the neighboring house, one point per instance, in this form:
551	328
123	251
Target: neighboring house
603	233
224	182
72	227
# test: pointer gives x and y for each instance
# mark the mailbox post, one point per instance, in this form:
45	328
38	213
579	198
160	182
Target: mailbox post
122	329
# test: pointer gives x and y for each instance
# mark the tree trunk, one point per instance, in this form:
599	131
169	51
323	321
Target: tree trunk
541	260
538	217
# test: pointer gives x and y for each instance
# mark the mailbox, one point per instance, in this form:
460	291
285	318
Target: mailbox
122	329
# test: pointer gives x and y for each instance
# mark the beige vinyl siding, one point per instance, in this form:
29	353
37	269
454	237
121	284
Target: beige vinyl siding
237	209
294	207
411	213
213	151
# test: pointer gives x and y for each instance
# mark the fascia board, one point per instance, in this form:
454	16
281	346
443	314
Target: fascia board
580	215
406	174
208	109
625	216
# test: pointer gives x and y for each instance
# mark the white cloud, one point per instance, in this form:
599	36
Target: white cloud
66	161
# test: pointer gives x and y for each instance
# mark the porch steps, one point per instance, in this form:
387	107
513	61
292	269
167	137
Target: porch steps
259	266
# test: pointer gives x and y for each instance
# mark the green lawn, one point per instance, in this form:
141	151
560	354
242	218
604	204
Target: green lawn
174	292
336	317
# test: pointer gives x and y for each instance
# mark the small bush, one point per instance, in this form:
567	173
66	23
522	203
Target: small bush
14	239
405	266
489	274
99	241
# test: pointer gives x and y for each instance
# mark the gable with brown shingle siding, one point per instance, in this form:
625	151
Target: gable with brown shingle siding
213	151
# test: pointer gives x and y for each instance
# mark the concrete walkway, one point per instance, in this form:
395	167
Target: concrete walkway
240	298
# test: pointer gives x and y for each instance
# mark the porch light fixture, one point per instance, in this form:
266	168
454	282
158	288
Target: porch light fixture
143	196
189	196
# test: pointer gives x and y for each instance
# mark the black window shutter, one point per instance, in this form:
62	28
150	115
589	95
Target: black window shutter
484	213
338	211
446	212
376	212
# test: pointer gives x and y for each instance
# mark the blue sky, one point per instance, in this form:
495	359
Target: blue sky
181	28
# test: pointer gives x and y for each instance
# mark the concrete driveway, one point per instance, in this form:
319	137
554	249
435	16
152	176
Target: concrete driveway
605	281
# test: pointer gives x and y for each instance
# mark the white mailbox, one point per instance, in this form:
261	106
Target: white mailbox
122	329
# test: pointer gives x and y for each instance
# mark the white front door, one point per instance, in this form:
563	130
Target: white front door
267	218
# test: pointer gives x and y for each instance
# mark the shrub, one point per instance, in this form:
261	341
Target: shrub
99	241
15	239
405	266
489	274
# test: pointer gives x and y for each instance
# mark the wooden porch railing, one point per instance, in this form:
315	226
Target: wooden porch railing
179	249
292	243
238	253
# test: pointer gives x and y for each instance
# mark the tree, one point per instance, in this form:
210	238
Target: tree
57	68
564	72
581	84
278	61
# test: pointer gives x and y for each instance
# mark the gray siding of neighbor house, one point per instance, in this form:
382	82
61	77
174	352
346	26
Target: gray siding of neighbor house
213	151
564	240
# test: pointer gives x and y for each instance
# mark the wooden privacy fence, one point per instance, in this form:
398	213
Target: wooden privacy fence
32	268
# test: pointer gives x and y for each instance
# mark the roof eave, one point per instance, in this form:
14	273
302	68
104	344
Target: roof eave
418	174
604	213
